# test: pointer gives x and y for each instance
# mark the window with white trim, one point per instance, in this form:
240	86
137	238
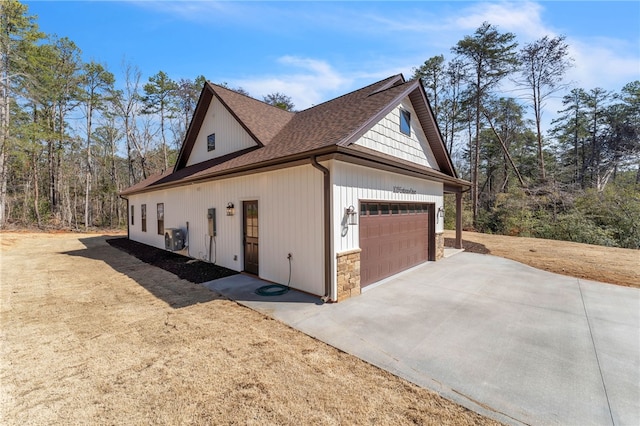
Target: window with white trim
143	216
405	122
160	209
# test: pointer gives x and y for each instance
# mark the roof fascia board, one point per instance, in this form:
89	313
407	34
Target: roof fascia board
280	163
194	126
448	162
244	126
328	153
454	189
371	160
207	94
414	87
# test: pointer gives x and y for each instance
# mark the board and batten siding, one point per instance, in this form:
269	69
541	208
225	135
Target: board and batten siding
289	219
353	183
230	135
386	137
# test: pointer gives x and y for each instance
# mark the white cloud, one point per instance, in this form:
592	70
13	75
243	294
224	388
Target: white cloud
307	81
598	61
521	18
417	23
603	63
416	31
190	10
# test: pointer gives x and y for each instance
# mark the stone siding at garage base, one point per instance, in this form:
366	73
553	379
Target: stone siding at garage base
439	246
348	266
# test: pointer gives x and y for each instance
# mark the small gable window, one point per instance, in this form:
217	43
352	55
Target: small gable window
211	142
405	122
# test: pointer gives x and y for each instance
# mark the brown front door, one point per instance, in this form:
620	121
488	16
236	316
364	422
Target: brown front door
393	237
250	237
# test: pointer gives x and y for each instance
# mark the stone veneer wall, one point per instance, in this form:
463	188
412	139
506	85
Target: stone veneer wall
439	246
348	268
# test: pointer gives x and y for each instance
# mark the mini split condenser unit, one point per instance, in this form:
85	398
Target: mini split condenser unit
173	239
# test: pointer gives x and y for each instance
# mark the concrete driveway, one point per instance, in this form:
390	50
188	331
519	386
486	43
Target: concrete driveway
517	344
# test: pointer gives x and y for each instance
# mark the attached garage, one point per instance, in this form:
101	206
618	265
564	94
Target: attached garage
393	237
347	191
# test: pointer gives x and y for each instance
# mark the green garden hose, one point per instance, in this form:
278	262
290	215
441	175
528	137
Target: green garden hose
275	289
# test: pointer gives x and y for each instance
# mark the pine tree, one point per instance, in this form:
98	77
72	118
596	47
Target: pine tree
490	56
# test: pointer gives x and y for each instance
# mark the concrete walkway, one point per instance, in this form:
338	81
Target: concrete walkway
515	343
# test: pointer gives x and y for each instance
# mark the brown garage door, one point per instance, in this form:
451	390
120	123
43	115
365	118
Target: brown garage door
393	237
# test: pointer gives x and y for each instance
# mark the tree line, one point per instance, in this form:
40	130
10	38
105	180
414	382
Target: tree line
579	180
72	137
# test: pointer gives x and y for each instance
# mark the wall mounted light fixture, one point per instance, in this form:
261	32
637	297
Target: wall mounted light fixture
440	213
230	209
352	216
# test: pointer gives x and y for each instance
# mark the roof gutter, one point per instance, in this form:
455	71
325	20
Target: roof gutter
327	227
297	159
388	164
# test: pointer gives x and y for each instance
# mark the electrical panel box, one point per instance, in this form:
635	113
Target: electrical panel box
211	218
173	239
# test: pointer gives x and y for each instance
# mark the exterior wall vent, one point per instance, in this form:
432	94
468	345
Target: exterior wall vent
173	239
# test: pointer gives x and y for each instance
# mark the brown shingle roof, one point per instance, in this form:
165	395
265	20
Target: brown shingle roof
282	135
263	121
151	180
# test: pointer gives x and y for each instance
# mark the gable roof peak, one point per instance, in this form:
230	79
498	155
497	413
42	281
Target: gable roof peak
282	136
392	81
216	88
375	87
261	121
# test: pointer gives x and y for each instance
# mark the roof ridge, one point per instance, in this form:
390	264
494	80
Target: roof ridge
247	96
352	92
261	120
326	127
395	86
397	91
394	81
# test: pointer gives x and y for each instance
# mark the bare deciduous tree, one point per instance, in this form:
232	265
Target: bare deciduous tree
97	82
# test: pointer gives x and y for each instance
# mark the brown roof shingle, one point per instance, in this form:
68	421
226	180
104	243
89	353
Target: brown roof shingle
282	135
262	120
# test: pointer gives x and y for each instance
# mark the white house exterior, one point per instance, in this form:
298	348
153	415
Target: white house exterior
329	200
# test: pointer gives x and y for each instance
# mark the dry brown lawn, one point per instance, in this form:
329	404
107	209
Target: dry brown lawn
91	335
598	263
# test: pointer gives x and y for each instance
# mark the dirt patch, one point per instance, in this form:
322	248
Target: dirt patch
92	335
597	263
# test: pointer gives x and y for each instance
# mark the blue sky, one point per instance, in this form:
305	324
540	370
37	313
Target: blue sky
314	51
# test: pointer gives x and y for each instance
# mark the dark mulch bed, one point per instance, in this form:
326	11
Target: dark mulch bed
468	246
195	271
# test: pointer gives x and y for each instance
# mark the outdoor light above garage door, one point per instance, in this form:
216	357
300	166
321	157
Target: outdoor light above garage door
352	216
230	209
440	213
